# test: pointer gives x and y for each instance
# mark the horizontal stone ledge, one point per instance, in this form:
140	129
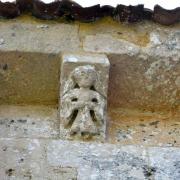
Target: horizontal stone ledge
34	36
107	44
56	158
38	37
165	41
135	81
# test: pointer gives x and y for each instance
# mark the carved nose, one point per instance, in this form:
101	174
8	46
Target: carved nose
88	128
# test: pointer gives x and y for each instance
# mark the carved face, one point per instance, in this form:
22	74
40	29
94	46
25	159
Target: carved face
85	76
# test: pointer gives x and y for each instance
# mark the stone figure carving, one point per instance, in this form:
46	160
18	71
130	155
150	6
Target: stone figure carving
83	103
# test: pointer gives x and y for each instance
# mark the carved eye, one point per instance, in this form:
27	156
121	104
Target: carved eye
92	88
74	99
76	86
94	100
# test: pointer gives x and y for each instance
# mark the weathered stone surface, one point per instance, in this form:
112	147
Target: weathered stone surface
127	126
100	161
38	37
166	162
107	44
144	74
22	159
144	78
29	78
164	43
145	82
141	76
39	159
162	40
84	84
29	121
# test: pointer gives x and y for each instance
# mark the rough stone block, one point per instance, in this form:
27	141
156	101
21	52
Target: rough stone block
44	38
25	159
83	105
107	44
28	121
100	161
166	162
29	78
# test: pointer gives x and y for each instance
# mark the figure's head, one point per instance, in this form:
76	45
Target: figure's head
85	76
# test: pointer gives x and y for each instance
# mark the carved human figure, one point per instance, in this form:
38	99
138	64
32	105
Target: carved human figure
83	106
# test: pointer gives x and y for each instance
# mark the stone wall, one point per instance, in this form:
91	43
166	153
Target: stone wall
144	57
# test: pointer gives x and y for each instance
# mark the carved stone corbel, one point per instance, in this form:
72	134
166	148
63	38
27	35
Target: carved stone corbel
83	108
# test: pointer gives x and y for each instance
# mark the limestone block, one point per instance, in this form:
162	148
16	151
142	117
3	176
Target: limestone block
83	96
40	38
26	158
103	43
166	162
28	121
101	161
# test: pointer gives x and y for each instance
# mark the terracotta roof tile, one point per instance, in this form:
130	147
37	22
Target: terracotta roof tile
70	10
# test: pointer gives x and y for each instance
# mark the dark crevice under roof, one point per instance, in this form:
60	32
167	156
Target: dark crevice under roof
72	11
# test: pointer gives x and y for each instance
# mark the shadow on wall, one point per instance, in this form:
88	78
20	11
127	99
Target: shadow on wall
143	83
29	78
33	78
